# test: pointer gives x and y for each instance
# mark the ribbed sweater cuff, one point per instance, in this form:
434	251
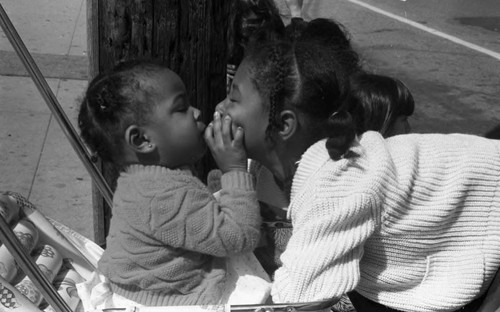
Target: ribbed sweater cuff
241	180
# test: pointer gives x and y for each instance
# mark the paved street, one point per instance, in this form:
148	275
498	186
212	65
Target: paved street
456	88
446	51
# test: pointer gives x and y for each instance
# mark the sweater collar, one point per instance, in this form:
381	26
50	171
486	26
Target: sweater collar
155	170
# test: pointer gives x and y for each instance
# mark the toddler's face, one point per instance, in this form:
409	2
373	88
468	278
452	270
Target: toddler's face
247	110
176	127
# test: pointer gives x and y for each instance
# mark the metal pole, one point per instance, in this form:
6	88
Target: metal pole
285	307
54	105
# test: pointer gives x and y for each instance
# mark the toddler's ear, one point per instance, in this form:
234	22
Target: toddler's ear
137	140
289	122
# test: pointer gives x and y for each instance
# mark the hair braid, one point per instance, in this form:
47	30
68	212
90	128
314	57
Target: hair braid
276	91
341	131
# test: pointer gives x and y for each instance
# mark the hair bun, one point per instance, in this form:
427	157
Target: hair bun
296	28
342	130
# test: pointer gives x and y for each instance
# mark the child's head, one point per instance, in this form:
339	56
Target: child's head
305	79
139	113
382	104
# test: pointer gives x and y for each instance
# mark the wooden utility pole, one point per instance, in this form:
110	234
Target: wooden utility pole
188	36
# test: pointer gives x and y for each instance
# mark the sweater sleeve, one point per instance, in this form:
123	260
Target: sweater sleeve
194	220
322	258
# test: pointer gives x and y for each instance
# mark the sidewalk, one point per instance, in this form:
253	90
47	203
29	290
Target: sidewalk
36	159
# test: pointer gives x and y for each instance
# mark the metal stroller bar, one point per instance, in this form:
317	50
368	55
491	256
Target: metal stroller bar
54	105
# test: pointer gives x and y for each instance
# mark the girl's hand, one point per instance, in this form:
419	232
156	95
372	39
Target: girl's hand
228	152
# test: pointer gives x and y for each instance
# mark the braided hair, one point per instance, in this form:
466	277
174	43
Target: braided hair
273	73
309	73
113	101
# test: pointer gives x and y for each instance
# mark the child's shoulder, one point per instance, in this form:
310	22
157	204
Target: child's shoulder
159	178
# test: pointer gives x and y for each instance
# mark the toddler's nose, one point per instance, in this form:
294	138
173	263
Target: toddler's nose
196	114
221	107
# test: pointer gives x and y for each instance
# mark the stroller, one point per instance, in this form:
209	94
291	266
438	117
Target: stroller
50	264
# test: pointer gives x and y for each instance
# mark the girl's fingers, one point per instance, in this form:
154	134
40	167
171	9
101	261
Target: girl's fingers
218	133
217	129
226	130
238	138
231	69
209	135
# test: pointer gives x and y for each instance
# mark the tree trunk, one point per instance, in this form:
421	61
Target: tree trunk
188	36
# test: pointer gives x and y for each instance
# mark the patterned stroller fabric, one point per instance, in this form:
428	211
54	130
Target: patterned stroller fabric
58	260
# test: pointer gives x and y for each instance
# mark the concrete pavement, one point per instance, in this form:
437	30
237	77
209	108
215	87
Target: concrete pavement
36	159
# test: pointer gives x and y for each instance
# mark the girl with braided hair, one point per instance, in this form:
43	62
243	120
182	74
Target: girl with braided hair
408	223
274	202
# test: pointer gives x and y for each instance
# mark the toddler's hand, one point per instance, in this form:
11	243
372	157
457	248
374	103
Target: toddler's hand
229	153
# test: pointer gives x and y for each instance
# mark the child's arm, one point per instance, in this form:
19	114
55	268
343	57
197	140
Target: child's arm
187	216
321	260
232	225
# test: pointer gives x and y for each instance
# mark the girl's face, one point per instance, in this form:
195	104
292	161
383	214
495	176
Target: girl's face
247	110
399	126
176	128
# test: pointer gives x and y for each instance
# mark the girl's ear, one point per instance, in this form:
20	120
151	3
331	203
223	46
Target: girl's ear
137	140
289	124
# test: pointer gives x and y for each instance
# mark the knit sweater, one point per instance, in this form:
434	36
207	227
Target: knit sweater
168	235
413	222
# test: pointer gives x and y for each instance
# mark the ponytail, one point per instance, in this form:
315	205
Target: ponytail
341	132
276	91
295	29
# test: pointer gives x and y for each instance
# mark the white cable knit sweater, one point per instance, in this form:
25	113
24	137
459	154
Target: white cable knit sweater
412	223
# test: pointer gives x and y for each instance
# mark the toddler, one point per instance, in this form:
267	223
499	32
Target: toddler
168	235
